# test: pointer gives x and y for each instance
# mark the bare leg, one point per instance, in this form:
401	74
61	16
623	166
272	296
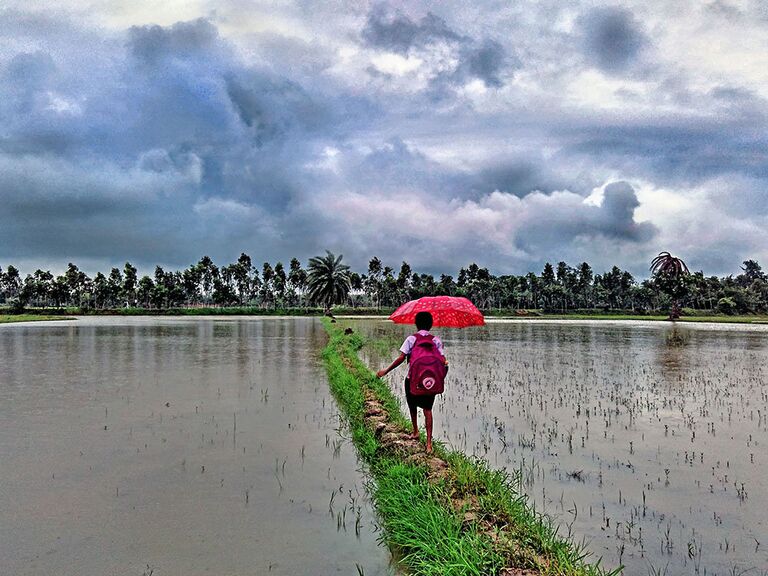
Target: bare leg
428	421
415	433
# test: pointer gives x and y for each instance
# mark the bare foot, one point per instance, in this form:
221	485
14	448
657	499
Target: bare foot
414	435
429	447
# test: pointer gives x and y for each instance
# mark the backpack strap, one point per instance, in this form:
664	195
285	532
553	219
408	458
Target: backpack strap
424	337
416	337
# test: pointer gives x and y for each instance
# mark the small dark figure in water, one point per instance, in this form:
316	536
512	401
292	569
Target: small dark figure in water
425	402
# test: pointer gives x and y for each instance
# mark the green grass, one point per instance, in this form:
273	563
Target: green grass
720	319
8	318
363	311
422	520
205	311
726	319
430	535
717	319
208	311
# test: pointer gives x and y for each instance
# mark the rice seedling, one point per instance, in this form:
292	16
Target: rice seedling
646	418
420	512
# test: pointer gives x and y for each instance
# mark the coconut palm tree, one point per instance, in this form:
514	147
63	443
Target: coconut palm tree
328	280
669	274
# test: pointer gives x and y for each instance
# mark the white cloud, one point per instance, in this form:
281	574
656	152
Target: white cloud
63	105
395	64
500	227
593	89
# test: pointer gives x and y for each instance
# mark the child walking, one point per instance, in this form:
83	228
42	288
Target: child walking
423	401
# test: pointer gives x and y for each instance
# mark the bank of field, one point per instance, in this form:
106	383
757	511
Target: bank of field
497	313
719	319
442	514
8	318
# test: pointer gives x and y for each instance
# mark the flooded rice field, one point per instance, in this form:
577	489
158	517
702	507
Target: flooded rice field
140	446
647	441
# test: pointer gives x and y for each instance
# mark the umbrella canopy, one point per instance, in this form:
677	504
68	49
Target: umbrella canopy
447	311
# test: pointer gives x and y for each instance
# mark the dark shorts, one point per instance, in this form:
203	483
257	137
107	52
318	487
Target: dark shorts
423	401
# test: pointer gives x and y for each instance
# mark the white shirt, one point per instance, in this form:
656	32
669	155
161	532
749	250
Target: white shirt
411	340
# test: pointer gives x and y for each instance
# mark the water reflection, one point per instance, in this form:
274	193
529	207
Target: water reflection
644	439
672	354
192	446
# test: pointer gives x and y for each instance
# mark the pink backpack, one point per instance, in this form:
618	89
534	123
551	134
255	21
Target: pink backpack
426	370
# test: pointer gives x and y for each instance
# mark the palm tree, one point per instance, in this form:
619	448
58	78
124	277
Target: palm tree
328	280
670	274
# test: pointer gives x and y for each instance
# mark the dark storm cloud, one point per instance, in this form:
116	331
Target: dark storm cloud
677	152
752	10
272	107
724	9
522	175
26	83
486	62
250	127
153	43
393	166
182	149
514	233
198	93
162	143
30	71
570	220
613	39
617	214
484	59
62	211
294	57
398	33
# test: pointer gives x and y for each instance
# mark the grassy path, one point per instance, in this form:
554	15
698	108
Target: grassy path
444	513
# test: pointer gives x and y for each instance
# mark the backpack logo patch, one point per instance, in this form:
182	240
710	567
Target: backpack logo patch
427	367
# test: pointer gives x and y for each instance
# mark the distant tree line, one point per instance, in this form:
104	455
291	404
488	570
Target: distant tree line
559	288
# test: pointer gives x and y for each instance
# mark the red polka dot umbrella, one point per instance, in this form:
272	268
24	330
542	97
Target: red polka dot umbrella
447	312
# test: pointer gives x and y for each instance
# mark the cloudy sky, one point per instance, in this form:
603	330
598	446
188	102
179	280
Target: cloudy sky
504	133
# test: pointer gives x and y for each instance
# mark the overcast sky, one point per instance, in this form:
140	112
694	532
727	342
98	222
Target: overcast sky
504	133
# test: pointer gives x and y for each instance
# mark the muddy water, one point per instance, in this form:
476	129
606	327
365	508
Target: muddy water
647	441
165	447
